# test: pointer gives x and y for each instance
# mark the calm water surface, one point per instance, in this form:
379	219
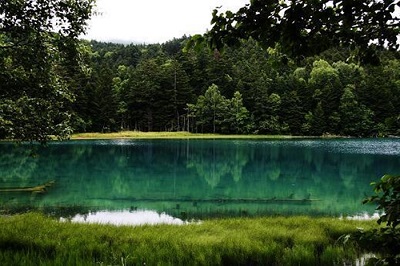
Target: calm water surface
198	178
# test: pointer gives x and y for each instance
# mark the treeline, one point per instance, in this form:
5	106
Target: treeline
246	89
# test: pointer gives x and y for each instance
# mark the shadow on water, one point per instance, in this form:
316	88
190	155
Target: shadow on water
198	178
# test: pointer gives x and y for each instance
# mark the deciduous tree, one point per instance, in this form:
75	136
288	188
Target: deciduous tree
304	28
39	57
355	118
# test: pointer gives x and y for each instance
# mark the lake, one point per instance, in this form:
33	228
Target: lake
191	178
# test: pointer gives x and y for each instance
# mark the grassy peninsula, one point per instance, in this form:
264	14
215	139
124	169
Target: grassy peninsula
33	239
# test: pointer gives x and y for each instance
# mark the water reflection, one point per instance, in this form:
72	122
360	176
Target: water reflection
201	178
213	163
143	217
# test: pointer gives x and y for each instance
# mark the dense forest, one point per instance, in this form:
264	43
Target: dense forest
245	89
275	67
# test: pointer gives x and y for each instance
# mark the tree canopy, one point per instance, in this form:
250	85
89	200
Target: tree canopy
40	64
307	27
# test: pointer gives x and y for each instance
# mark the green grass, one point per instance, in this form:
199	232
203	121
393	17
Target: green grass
33	239
169	135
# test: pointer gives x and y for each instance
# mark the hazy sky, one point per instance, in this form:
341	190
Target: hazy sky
153	21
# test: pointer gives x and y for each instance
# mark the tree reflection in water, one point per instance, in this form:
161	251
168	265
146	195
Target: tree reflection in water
207	177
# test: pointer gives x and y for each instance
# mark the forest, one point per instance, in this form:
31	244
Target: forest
316	68
246	89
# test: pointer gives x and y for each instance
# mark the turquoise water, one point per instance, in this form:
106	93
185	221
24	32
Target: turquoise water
199	178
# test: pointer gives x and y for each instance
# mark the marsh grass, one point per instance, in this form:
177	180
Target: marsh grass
33	239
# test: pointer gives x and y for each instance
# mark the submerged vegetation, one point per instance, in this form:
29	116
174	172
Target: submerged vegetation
33	239
36	189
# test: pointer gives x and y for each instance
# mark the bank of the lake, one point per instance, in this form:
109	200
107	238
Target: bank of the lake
171	135
33	239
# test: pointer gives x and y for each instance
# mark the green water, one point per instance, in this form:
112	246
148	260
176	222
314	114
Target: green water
199	178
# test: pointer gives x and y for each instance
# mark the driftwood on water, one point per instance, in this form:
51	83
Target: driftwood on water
35	189
228	200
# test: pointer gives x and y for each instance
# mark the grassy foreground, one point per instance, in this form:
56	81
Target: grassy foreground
169	135
33	239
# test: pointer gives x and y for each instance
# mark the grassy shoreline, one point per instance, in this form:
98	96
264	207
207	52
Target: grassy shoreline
181	135
174	135
34	239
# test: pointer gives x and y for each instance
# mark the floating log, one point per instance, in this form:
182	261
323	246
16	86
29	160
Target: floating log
35	189
225	200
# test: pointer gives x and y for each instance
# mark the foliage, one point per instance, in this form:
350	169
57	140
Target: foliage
385	240
31	238
388	200
356	118
239	115
313	32
39	66
213	112
159	88
304	28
